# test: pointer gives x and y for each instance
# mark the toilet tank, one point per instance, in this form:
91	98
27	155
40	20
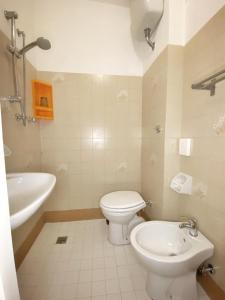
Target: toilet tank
145	13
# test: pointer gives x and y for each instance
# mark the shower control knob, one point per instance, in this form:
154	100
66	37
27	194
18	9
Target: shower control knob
32	119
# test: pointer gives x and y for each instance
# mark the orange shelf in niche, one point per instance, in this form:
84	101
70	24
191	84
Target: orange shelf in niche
42	100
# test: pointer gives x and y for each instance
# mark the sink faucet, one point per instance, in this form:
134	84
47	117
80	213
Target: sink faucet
192	224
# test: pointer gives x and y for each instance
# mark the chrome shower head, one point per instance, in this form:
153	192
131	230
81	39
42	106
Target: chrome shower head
40	42
43	43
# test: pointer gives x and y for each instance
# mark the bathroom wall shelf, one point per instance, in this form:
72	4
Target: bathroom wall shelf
43	108
210	82
42	100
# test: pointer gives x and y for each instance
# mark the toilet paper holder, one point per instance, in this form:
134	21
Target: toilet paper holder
182	184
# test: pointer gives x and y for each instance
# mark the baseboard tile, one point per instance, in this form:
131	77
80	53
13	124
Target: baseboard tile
211	288
72	215
28	242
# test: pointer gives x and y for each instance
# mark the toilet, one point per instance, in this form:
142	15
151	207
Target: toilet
120	209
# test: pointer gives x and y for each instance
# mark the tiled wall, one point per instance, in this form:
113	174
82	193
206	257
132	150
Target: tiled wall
23	141
168	100
94	143
162	107
204	55
171	204
153	114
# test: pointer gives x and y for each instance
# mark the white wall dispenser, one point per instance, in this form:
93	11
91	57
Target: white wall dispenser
182	184
185	147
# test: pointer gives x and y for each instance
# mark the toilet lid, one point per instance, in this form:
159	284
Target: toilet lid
121	199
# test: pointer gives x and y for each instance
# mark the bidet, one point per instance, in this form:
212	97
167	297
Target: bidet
172	257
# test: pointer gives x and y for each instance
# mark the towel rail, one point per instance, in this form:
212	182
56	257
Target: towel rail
210	82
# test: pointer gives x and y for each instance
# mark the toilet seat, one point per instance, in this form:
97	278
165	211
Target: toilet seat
121	200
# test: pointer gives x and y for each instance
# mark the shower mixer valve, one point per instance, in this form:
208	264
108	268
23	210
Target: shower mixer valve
22	117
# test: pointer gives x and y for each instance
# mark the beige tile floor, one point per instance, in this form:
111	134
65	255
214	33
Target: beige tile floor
87	267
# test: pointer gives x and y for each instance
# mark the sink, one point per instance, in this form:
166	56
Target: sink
26	193
172	257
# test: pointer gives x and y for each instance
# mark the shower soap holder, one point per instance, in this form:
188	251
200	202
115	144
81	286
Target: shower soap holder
42	100
182	184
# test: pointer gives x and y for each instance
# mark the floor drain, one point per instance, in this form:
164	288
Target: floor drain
61	240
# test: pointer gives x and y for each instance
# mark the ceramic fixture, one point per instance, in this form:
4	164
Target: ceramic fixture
172	257
120	209
26	193
182	184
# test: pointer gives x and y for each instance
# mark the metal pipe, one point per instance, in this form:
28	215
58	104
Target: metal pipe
12	16
206	269
211	86
148	34
41	42
15	76
210	78
23	102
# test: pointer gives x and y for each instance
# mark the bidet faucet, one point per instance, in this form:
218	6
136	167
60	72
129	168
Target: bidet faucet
192	224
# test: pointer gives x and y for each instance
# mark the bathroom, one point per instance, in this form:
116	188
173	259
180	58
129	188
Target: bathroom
126	110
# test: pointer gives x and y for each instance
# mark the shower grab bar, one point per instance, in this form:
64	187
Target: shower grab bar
210	82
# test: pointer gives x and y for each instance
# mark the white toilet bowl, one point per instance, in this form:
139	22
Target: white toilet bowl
119	208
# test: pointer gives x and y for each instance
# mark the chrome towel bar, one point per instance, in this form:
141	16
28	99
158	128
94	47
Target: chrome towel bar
210	82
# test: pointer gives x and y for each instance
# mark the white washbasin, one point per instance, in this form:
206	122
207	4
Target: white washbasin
26	193
171	256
